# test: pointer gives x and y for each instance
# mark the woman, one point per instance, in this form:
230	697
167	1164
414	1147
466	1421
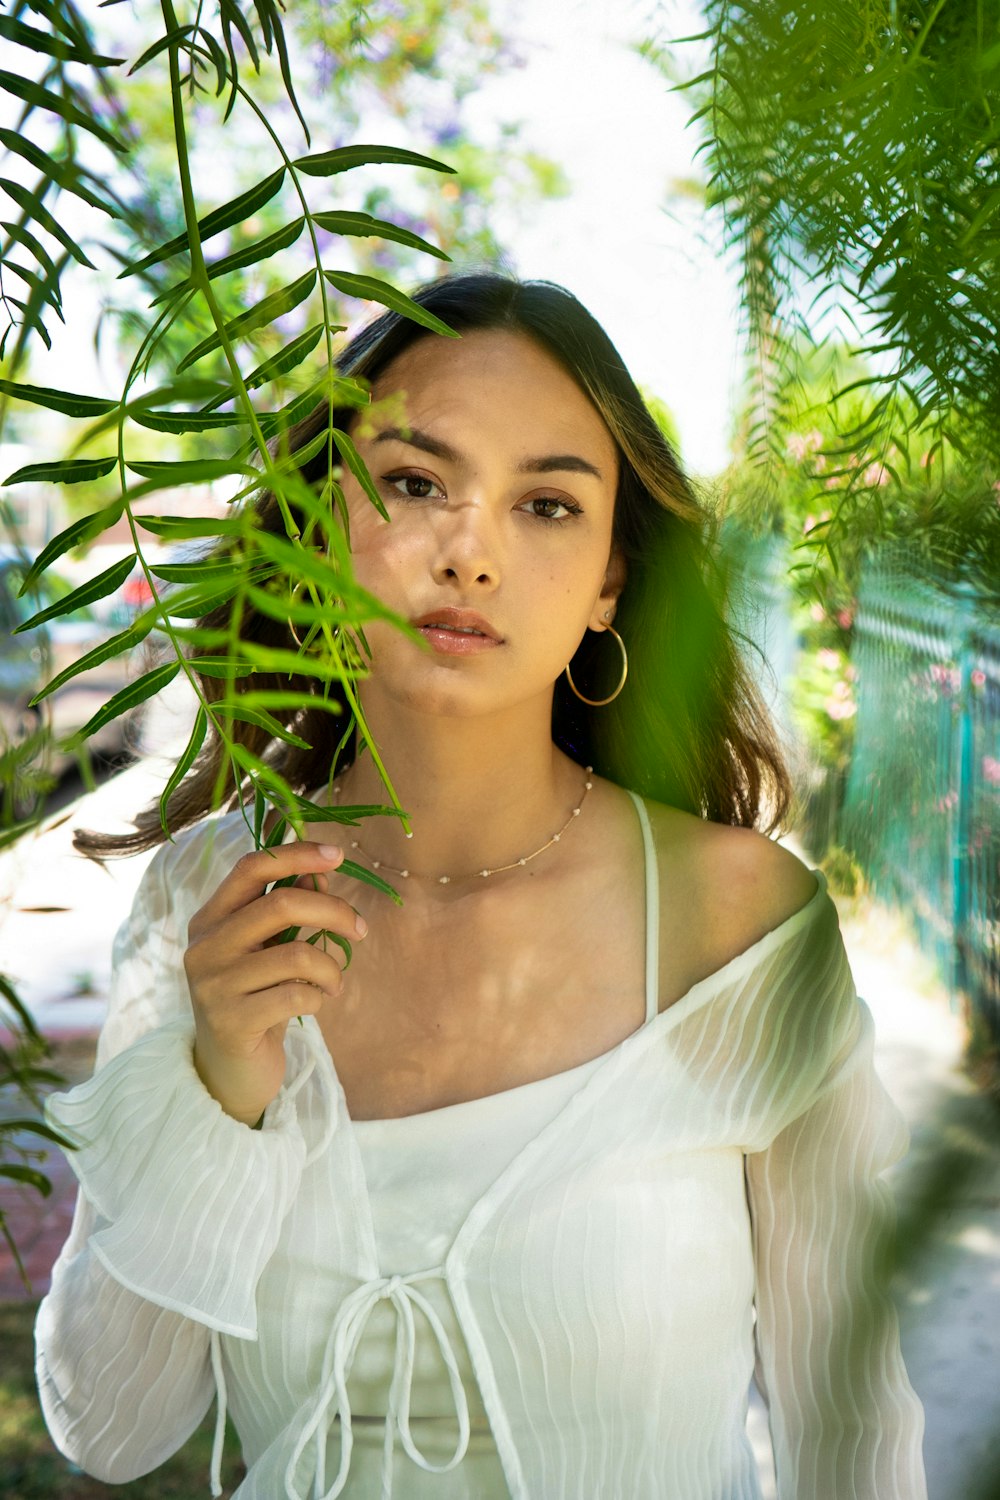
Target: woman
590	1123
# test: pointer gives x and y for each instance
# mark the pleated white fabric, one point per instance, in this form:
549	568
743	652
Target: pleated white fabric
708	1195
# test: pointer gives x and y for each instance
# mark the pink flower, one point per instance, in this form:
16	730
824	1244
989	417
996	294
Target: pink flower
875	475
813	521
828	658
800	444
945	677
845	618
817	613
991	770
840	704
136	592
978	678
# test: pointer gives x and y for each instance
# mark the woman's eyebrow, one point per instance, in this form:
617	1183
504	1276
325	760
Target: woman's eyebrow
417	439
567	463
553	463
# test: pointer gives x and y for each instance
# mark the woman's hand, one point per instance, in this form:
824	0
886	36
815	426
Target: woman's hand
245	988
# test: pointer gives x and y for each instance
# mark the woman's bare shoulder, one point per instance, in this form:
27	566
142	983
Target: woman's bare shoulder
730	886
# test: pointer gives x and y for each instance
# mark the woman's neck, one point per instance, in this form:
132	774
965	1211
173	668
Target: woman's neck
479	793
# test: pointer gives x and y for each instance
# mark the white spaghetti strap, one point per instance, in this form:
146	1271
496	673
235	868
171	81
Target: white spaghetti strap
652	911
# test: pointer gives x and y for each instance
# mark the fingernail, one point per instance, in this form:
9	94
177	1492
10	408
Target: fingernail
361	925
330	851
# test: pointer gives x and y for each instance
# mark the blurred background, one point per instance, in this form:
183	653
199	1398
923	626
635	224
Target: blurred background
785	224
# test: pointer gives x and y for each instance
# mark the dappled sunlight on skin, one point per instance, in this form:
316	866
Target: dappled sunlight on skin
449	1031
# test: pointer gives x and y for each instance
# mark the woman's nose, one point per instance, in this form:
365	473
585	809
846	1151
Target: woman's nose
466	546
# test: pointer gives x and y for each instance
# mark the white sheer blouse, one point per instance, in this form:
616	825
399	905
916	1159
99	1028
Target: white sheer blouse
705	1195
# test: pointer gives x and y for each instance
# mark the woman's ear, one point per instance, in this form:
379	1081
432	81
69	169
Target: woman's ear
607	601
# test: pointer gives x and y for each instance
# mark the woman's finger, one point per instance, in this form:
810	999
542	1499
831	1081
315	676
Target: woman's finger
263	1012
267	918
254	872
229	987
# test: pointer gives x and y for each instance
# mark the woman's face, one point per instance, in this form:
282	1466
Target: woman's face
499	478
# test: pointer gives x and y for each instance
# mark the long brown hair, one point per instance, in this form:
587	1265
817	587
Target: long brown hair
689	729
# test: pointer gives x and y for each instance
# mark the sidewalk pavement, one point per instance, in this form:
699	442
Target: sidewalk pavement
58	914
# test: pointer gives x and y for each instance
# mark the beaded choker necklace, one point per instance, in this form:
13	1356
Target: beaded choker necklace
378	864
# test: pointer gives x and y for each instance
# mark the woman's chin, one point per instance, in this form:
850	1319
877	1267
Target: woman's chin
450	694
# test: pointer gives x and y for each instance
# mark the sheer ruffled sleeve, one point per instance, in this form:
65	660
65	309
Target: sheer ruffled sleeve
190	1201
179	1209
845	1422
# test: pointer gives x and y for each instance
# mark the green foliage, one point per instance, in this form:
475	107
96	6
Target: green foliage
663	417
852	150
837	501
834	504
23	1072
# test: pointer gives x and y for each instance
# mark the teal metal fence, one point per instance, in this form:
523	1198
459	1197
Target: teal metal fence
922	805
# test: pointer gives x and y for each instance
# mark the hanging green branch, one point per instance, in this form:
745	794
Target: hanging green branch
241	566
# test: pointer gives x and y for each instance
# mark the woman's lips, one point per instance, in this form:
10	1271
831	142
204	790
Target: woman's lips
452	642
458	632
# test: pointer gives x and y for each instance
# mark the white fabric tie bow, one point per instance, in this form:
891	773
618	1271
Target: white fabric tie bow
333	1401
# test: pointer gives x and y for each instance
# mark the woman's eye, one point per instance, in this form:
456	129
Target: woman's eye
413	486
548	508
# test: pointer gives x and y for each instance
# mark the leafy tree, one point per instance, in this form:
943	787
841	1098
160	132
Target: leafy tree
850	151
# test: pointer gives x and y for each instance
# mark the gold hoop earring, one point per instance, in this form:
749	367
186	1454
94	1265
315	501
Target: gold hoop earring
600	702
291	628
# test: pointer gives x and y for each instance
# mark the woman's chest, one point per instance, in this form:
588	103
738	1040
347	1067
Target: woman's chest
482	996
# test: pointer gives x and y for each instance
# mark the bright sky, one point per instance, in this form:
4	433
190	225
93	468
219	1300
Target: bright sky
657	283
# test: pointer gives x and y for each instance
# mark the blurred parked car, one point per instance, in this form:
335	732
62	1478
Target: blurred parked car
30	660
